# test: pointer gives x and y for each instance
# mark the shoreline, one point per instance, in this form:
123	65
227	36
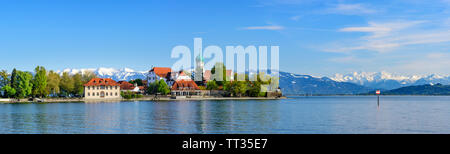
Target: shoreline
148	98
357	95
165	99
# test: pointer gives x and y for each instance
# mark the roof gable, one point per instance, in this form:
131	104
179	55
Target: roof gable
162	71
102	82
185	84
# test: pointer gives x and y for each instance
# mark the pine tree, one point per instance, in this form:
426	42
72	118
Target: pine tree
14	79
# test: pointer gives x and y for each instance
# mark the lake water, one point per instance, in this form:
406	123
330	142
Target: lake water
310	115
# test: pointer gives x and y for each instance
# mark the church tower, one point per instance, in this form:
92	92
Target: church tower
199	70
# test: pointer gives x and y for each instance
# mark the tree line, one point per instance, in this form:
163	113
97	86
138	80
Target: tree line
252	86
23	84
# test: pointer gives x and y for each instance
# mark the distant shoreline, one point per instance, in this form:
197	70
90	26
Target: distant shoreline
148	98
360	95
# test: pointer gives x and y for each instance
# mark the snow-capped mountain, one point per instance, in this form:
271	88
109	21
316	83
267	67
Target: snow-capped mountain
385	80
305	84
115	74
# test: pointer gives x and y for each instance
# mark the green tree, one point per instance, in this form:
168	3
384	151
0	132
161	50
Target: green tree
163	88
237	88
241	88
9	91
255	89
78	88
212	85
4	78
53	80
219	73
67	84
88	76
137	81
14	79
259	87
24	84
40	82
152	88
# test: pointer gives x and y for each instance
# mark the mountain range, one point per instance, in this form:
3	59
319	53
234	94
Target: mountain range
388	81
426	89
115	74
295	84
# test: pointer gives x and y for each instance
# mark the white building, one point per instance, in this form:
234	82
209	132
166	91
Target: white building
102	88
158	73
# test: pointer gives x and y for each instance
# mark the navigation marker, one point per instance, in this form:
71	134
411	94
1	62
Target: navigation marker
378	92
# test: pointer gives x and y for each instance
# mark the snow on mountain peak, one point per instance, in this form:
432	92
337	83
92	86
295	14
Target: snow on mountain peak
116	74
106	71
388	80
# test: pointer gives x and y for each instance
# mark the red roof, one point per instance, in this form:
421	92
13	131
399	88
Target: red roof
102	82
124	85
161	71
185	85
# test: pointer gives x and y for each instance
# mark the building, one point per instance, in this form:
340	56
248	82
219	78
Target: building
184	85
185	88
128	87
199	68
158	73
102	88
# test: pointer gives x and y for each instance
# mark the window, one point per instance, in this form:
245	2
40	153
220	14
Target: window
106	94
111	94
89	94
98	94
98	87
116	89
89	88
116	93
93	94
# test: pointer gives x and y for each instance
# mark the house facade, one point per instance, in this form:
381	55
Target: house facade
184	86
102	88
158	73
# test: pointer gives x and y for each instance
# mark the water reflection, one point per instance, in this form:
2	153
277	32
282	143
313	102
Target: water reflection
298	115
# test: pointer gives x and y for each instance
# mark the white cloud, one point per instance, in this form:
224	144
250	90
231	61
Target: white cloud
351	9
388	36
382	29
264	28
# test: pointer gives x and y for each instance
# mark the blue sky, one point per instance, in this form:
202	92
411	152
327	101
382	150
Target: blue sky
319	37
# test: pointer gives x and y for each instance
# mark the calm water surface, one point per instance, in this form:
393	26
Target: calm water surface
323	115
